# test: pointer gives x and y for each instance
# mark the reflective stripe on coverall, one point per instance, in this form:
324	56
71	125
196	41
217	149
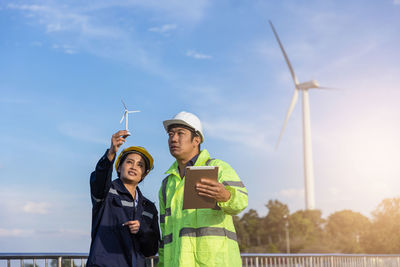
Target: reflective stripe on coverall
200	237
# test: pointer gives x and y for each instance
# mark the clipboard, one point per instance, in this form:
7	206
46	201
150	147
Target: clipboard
191	200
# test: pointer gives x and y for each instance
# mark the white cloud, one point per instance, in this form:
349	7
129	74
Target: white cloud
59	233
67	49
54	27
196	55
9	100
291	193
64	233
28	7
37	43
84	31
70	51
186	11
164	28
15	232
61	18
36	207
244	132
81	132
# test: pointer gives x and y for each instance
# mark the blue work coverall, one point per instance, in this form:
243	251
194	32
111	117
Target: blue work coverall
113	244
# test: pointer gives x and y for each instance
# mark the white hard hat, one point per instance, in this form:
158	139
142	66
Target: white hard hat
186	119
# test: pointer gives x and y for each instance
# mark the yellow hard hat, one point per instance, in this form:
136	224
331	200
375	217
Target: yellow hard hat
139	150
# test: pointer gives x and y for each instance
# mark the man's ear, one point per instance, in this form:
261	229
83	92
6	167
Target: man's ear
197	140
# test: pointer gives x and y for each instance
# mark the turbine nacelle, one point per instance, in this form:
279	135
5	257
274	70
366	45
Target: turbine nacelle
308	85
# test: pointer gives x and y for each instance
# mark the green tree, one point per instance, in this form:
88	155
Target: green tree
251	223
242	234
383	236
345	229
273	226
306	231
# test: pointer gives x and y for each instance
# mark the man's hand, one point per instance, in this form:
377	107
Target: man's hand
133	226
117	140
213	189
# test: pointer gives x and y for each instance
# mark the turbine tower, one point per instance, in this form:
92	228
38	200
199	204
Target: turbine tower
307	145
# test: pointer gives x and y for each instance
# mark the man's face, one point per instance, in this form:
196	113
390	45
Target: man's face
132	169
181	145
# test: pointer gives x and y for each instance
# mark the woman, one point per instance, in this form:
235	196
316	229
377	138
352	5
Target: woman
125	226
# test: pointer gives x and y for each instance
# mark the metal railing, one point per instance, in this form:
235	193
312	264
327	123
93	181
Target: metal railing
43	259
319	260
53	259
248	260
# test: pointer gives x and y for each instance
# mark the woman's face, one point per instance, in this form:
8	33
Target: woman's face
132	169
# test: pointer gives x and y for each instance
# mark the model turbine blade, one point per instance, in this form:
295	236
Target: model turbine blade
123	116
296	82
290	110
124	104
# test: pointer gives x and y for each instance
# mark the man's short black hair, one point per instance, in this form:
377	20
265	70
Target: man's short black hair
192	131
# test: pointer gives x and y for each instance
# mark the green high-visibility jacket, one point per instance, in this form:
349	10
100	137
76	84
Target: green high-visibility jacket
200	237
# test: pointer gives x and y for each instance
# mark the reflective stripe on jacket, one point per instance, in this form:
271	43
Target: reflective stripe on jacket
200	237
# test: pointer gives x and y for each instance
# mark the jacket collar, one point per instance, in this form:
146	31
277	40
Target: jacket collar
120	187
201	160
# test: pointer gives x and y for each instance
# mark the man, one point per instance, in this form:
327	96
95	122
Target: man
198	237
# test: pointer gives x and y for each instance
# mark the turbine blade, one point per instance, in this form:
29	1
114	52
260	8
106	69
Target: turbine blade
134	111
296	82
124	104
123	116
290	110
327	88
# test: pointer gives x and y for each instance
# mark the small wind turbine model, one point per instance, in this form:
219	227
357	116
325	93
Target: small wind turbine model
125	116
308	162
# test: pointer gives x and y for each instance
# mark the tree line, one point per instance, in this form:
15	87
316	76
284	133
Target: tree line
343	231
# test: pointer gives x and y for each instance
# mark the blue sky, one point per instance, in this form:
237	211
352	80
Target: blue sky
66	65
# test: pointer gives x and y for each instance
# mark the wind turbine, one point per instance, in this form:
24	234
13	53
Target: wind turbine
125	116
308	161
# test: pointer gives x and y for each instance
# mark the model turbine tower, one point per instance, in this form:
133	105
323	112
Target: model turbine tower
125	116
308	161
